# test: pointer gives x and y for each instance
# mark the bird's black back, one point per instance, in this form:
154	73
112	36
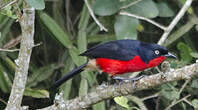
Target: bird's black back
125	50
118	50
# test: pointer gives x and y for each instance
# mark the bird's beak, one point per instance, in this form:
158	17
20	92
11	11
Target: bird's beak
170	55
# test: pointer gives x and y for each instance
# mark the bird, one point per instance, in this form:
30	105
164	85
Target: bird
119	57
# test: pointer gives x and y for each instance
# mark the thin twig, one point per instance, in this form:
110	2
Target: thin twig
167	108
180	91
193	20
14	50
175	21
184	85
10	3
143	18
130	4
94	17
12	42
168	29
1	100
151	96
18	12
185	100
7	50
69	22
137	101
157	102
36	45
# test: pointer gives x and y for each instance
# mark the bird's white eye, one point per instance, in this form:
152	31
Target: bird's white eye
157	52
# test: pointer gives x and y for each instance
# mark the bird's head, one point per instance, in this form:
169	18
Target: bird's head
154	51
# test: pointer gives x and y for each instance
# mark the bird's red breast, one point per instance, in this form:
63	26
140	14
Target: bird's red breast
115	67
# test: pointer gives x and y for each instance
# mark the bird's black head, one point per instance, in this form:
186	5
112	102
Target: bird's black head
153	51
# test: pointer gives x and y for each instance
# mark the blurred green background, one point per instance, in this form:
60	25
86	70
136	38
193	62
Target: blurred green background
66	29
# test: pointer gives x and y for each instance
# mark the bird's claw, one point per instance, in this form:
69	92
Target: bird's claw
122	79
119	80
133	80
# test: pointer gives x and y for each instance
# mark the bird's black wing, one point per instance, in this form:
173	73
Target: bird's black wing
118	50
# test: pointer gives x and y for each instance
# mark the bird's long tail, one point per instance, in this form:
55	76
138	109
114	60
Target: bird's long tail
68	76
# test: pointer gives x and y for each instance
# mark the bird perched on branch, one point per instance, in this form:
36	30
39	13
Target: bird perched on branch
120	57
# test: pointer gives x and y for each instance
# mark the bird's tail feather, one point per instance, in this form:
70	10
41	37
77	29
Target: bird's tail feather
68	76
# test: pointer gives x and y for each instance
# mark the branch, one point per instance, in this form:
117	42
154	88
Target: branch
176	102
27	42
12	42
193	20
168	29
7	50
7	4
110	91
151	96
175	21
94	17
130	4
137	101
145	19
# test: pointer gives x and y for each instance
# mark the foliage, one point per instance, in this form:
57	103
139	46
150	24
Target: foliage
185	52
123	101
66	29
37	4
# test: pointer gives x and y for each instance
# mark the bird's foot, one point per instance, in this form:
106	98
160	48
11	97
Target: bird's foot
119	80
133	80
122	79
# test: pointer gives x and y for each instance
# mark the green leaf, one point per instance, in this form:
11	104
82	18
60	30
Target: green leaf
36	93
146	8
122	101
173	64
190	9
5	29
41	74
6	76
82	46
83	85
84	19
55	30
100	38
75	56
125	27
4	85
185	51
90	77
164	10
170	95
194	54
67	86
196	27
8	12
99	106
195	103
37	4
183	105
195	83
106	7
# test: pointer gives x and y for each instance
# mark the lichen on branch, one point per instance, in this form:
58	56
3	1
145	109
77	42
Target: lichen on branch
110	91
22	62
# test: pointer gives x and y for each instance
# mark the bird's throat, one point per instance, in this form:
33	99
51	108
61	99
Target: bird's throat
155	62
